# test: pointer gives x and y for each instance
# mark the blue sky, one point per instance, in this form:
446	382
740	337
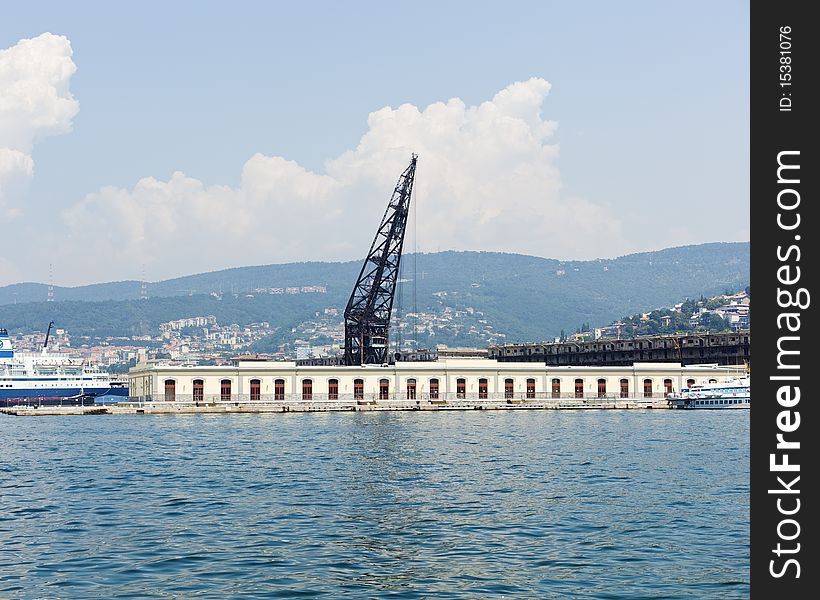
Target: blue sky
640	140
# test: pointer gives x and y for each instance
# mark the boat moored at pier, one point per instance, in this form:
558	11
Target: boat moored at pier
732	393
51	378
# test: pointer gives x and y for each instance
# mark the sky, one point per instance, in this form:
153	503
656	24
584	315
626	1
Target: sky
153	140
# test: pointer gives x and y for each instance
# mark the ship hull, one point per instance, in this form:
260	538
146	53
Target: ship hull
710	403
65	395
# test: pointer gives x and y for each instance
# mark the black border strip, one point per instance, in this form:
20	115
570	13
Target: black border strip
783	103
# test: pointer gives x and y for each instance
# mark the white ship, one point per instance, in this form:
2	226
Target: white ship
49	377
733	393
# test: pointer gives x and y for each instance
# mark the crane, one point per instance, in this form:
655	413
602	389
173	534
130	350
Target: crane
367	316
48	333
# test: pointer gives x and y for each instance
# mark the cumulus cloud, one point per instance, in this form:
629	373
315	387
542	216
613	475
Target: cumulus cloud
35	102
487	179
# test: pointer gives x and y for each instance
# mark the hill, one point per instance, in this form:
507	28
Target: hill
525	297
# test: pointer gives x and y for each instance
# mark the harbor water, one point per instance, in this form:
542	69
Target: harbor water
478	504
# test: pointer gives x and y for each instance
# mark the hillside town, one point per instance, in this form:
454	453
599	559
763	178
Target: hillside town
728	312
201	339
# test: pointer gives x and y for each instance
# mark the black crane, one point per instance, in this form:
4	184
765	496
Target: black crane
48	333
367	316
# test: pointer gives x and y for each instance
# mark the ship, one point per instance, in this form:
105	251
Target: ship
732	393
52	377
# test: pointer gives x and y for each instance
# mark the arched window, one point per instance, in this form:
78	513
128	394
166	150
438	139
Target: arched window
199	390
411	389
358	389
307	389
434	389
690	383
333	389
256	389
579	388
279	389
384	389
225	389
667	386
624	388
713	381
647	388
461	388
509	388
530	388
170	390
601	388
556	388
482	389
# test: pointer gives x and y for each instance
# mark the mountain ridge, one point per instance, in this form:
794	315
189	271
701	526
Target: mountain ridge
522	297
243	277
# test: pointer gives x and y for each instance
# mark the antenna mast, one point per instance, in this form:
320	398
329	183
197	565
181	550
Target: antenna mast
367	316
50	283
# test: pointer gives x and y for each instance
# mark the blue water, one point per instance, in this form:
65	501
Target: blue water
532	504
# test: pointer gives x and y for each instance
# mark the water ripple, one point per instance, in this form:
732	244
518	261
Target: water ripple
601	504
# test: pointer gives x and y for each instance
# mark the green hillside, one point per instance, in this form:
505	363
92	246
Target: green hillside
525	297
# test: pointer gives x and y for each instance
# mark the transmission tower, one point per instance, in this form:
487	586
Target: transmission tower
367	316
143	286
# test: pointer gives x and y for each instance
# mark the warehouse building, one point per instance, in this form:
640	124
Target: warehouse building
433	381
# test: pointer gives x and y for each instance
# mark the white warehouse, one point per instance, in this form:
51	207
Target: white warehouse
434	381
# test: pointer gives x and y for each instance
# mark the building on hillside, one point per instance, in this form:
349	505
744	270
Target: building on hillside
736	314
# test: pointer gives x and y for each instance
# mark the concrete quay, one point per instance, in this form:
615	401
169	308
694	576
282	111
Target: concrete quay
179	408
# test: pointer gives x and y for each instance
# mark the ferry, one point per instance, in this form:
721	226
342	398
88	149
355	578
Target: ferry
52	378
733	393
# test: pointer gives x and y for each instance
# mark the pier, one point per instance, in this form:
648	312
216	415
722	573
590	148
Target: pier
185	408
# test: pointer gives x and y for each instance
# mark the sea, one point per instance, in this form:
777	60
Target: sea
478	504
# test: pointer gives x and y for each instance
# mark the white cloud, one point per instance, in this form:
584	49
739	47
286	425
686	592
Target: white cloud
16	169
35	102
487	179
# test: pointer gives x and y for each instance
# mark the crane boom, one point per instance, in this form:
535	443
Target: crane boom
367	316
48	333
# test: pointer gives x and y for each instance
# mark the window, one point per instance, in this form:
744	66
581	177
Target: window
624	388
256	389
601	388
358	389
384	389
307	389
225	389
579	388
530	388
556	388
647	388
333	389
461	388
199	390
411	389
482	389
690	383
713	381
170	390
279	389
667	386
434	389
509	388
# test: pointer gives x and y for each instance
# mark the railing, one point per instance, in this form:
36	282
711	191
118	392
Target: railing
370	398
